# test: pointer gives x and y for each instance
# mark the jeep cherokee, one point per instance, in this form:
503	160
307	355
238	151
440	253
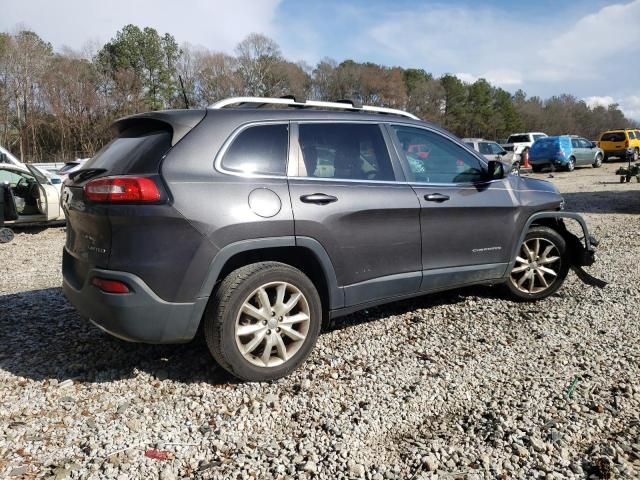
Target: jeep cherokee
261	223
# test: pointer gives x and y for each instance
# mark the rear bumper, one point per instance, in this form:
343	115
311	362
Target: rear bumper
138	316
546	161
626	152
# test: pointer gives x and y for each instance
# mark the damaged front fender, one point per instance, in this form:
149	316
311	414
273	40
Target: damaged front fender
581	251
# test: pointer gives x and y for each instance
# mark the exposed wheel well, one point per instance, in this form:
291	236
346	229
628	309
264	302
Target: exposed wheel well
299	257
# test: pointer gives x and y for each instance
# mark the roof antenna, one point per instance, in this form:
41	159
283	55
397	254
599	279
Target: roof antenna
184	92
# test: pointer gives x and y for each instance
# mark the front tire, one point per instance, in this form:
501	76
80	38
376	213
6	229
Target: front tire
263	321
541	265
598	162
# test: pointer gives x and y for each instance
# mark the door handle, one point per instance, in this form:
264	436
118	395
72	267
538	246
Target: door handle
319	198
436	197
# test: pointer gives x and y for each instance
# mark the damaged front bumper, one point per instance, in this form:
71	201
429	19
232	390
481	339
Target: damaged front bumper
581	251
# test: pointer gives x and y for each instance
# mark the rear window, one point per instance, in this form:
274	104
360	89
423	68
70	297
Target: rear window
544	144
259	150
135	151
519	139
613	137
68	166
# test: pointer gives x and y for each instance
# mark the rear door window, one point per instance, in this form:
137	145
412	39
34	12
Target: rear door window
259	150
349	151
632	135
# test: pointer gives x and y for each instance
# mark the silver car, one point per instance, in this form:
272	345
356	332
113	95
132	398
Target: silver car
492	151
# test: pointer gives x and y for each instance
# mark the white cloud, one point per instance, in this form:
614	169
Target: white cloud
594	43
596	101
629	104
466	77
214	24
576	51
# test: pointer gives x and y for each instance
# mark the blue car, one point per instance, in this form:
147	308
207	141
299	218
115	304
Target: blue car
564	152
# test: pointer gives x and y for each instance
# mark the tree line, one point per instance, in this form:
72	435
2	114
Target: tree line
56	106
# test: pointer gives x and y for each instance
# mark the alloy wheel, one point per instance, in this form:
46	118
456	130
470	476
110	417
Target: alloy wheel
537	266
272	324
598	160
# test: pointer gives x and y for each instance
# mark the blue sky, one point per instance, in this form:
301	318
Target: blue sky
588	48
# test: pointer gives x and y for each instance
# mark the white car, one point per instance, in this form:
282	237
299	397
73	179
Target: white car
32	198
71	167
519	142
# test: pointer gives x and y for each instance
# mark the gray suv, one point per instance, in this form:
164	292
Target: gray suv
261	223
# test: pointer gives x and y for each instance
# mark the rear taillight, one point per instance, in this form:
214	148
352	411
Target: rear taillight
122	189
626	143
110	286
560	154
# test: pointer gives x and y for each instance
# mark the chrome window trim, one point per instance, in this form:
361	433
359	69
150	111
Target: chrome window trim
217	163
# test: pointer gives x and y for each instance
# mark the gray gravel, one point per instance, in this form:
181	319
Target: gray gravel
459	385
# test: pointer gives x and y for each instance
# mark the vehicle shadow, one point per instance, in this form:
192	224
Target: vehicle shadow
44	338
613	201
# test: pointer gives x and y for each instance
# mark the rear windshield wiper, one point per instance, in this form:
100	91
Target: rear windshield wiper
85	174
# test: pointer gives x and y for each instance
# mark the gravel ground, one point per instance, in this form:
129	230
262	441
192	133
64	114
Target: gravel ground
458	385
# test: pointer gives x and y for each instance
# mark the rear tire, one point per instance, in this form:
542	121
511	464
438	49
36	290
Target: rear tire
280	311
598	161
571	166
541	265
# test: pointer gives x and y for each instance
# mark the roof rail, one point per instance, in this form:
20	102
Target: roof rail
292	102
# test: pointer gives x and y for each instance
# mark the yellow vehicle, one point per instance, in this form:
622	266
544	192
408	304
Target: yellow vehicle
623	143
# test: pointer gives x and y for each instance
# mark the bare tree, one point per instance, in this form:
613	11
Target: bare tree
258	58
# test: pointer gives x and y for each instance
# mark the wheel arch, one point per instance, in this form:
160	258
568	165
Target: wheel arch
554	220
303	253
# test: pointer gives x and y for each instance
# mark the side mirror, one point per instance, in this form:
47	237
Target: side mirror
3	157
594	144
495	170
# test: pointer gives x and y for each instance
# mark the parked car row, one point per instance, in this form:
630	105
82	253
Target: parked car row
564	152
